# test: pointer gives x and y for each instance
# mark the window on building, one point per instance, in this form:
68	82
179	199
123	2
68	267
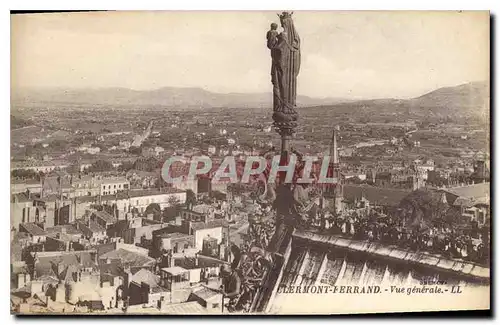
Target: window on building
114	186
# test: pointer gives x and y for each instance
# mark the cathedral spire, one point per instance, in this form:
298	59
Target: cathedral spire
334	151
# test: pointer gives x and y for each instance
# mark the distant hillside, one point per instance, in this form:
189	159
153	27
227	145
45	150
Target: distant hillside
172	97
471	99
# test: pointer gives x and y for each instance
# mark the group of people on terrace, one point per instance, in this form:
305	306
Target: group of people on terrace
450	241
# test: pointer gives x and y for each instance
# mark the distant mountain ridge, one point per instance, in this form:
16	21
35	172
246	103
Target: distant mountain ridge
172	97
466	99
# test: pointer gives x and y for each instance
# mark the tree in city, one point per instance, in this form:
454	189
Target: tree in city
60	144
126	166
23	174
135	150
154	209
190	198
147	164
423	207
173	201
73	168
101	166
170	212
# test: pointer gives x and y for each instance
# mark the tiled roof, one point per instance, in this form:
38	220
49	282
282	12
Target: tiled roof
108	218
33	229
128	258
48	262
95	227
147	277
92	226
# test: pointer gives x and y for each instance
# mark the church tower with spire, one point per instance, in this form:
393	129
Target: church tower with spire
334	153
335	194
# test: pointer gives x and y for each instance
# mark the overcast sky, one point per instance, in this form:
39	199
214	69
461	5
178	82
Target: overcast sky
344	54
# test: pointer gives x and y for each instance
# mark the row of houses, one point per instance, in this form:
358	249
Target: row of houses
102	263
55	210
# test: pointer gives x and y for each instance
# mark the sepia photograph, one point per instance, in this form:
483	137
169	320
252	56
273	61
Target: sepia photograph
249	162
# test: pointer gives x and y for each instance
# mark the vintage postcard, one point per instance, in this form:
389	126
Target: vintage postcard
332	162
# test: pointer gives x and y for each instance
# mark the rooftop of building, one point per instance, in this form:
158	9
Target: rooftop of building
51	263
375	195
146	276
108	218
206	293
210	224
117	180
128	258
93	227
68	229
174	270
33	229
141	193
475	191
173	235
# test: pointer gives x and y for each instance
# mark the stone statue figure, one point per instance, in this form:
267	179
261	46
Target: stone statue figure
285	54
